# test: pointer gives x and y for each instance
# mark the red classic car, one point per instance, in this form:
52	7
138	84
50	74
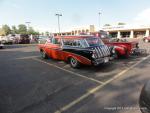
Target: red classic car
146	39
76	50
121	46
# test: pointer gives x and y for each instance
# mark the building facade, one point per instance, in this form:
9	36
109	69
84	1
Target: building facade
119	31
76	31
126	31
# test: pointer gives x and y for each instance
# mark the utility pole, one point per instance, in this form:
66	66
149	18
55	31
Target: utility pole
99	19
58	15
28	25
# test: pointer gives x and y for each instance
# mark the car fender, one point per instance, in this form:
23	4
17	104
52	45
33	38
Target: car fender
81	59
120	50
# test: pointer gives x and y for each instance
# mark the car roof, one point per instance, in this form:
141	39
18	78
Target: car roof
76	36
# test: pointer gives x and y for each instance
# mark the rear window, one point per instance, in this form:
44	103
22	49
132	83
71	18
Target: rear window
75	43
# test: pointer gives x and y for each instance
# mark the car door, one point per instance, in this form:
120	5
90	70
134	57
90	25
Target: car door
56	50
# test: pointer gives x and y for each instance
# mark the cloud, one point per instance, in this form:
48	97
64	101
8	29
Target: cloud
143	17
10	3
1	2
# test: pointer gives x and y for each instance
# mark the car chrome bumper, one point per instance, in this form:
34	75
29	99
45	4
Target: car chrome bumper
101	60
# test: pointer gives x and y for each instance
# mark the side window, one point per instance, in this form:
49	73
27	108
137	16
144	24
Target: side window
73	43
55	41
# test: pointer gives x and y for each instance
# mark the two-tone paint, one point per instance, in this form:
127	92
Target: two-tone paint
92	55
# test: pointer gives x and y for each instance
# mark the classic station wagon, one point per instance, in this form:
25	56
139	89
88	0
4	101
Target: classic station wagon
76	50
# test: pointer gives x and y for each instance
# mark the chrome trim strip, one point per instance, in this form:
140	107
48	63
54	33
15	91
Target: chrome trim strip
100	52
97	52
106	50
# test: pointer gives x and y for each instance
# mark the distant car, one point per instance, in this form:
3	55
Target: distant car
6	40
24	39
144	101
76	50
42	39
146	39
1	45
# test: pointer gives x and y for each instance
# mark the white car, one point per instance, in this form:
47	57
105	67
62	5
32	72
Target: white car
6	40
1	45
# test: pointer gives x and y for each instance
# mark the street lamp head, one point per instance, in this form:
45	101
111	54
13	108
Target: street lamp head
99	13
58	14
28	22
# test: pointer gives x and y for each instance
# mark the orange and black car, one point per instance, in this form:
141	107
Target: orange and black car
76	50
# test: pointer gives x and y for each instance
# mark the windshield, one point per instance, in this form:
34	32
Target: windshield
83	43
43	37
94	41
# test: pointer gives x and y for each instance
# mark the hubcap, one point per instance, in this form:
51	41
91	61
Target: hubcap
43	54
73	61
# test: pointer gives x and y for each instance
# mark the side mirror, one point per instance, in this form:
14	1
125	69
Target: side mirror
144	101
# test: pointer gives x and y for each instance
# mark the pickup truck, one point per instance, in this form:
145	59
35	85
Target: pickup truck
76	50
121	46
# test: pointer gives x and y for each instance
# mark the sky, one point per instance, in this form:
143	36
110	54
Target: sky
75	13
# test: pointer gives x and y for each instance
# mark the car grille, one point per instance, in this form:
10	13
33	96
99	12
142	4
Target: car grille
101	51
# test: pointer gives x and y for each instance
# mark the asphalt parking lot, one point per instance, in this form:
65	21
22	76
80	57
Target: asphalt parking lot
29	84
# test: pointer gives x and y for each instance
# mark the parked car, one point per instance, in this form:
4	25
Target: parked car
146	39
22	39
144	101
6	40
1	45
121	46
42	39
76	50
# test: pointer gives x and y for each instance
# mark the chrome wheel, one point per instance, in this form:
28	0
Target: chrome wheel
44	55
74	63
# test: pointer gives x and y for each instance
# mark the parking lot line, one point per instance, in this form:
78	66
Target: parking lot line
28	57
77	74
92	91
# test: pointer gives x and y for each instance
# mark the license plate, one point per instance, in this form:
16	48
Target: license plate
106	59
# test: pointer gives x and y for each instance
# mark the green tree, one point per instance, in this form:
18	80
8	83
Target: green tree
107	25
36	33
22	29
2	32
6	29
31	31
47	33
14	30
42	33
121	23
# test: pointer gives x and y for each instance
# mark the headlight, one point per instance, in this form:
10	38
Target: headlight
113	50
93	54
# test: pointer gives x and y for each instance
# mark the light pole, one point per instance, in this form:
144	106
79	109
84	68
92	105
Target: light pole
99	19
28	24
58	15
